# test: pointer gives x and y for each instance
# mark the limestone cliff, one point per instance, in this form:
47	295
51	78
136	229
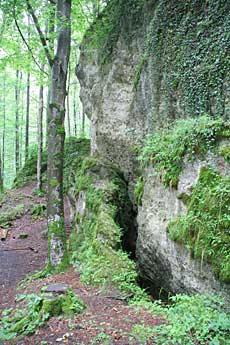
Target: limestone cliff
151	63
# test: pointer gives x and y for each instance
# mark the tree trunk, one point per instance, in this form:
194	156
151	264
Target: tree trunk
75	110
27	116
40	137
1	177
4	125
27	103
83	124
57	252
67	106
17	122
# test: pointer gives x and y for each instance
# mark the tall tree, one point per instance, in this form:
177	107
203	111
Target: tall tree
17	86
57	255
1	175
40	135
27	102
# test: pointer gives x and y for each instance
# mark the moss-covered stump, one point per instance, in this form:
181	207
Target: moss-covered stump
51	302
103	217
60	299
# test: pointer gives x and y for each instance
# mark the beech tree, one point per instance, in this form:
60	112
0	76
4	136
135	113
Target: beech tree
57	248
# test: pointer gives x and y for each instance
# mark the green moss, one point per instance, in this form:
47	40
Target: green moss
96	240
56	230
165	150
71	304
116	19
38	311
12	214
60	130
139	69
52	306
205	227
224	151
74	149
53	183
29	170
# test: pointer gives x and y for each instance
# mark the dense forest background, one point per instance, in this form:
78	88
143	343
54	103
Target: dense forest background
24	79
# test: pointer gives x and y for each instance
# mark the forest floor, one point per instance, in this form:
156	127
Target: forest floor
106	319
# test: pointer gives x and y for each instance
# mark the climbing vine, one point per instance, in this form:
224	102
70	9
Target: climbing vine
189	41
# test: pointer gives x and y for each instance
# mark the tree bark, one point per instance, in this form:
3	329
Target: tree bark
17	122
1	176
27	102
40	137
57	255
27	116
75	110
4	125
67	105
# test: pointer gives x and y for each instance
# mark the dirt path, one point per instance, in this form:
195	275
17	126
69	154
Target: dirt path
107	320
19	257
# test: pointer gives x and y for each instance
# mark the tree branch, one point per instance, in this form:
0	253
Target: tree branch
27	45
40	33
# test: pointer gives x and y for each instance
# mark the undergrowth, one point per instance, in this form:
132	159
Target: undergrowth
96	239
205	227
166	149
197	319
36	313
10	215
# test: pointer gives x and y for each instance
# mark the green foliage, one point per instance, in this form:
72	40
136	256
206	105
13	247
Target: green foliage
102	339
142	333
38	211
166	149
205	227
29	170
37	312
116	19
198	319
189	41
12	214
96	238
75	149
139	189
225	152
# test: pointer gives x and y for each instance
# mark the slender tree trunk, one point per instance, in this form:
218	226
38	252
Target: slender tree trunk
4	125
1	176
27	103
75	110
58	257
40	137
67	105
27	116
17	122
21	127
83	124
50	34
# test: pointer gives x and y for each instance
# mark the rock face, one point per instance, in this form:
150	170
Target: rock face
165	263
151	77
160	70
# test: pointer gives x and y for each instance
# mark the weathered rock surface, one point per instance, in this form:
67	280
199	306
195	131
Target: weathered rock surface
122	114
163	262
